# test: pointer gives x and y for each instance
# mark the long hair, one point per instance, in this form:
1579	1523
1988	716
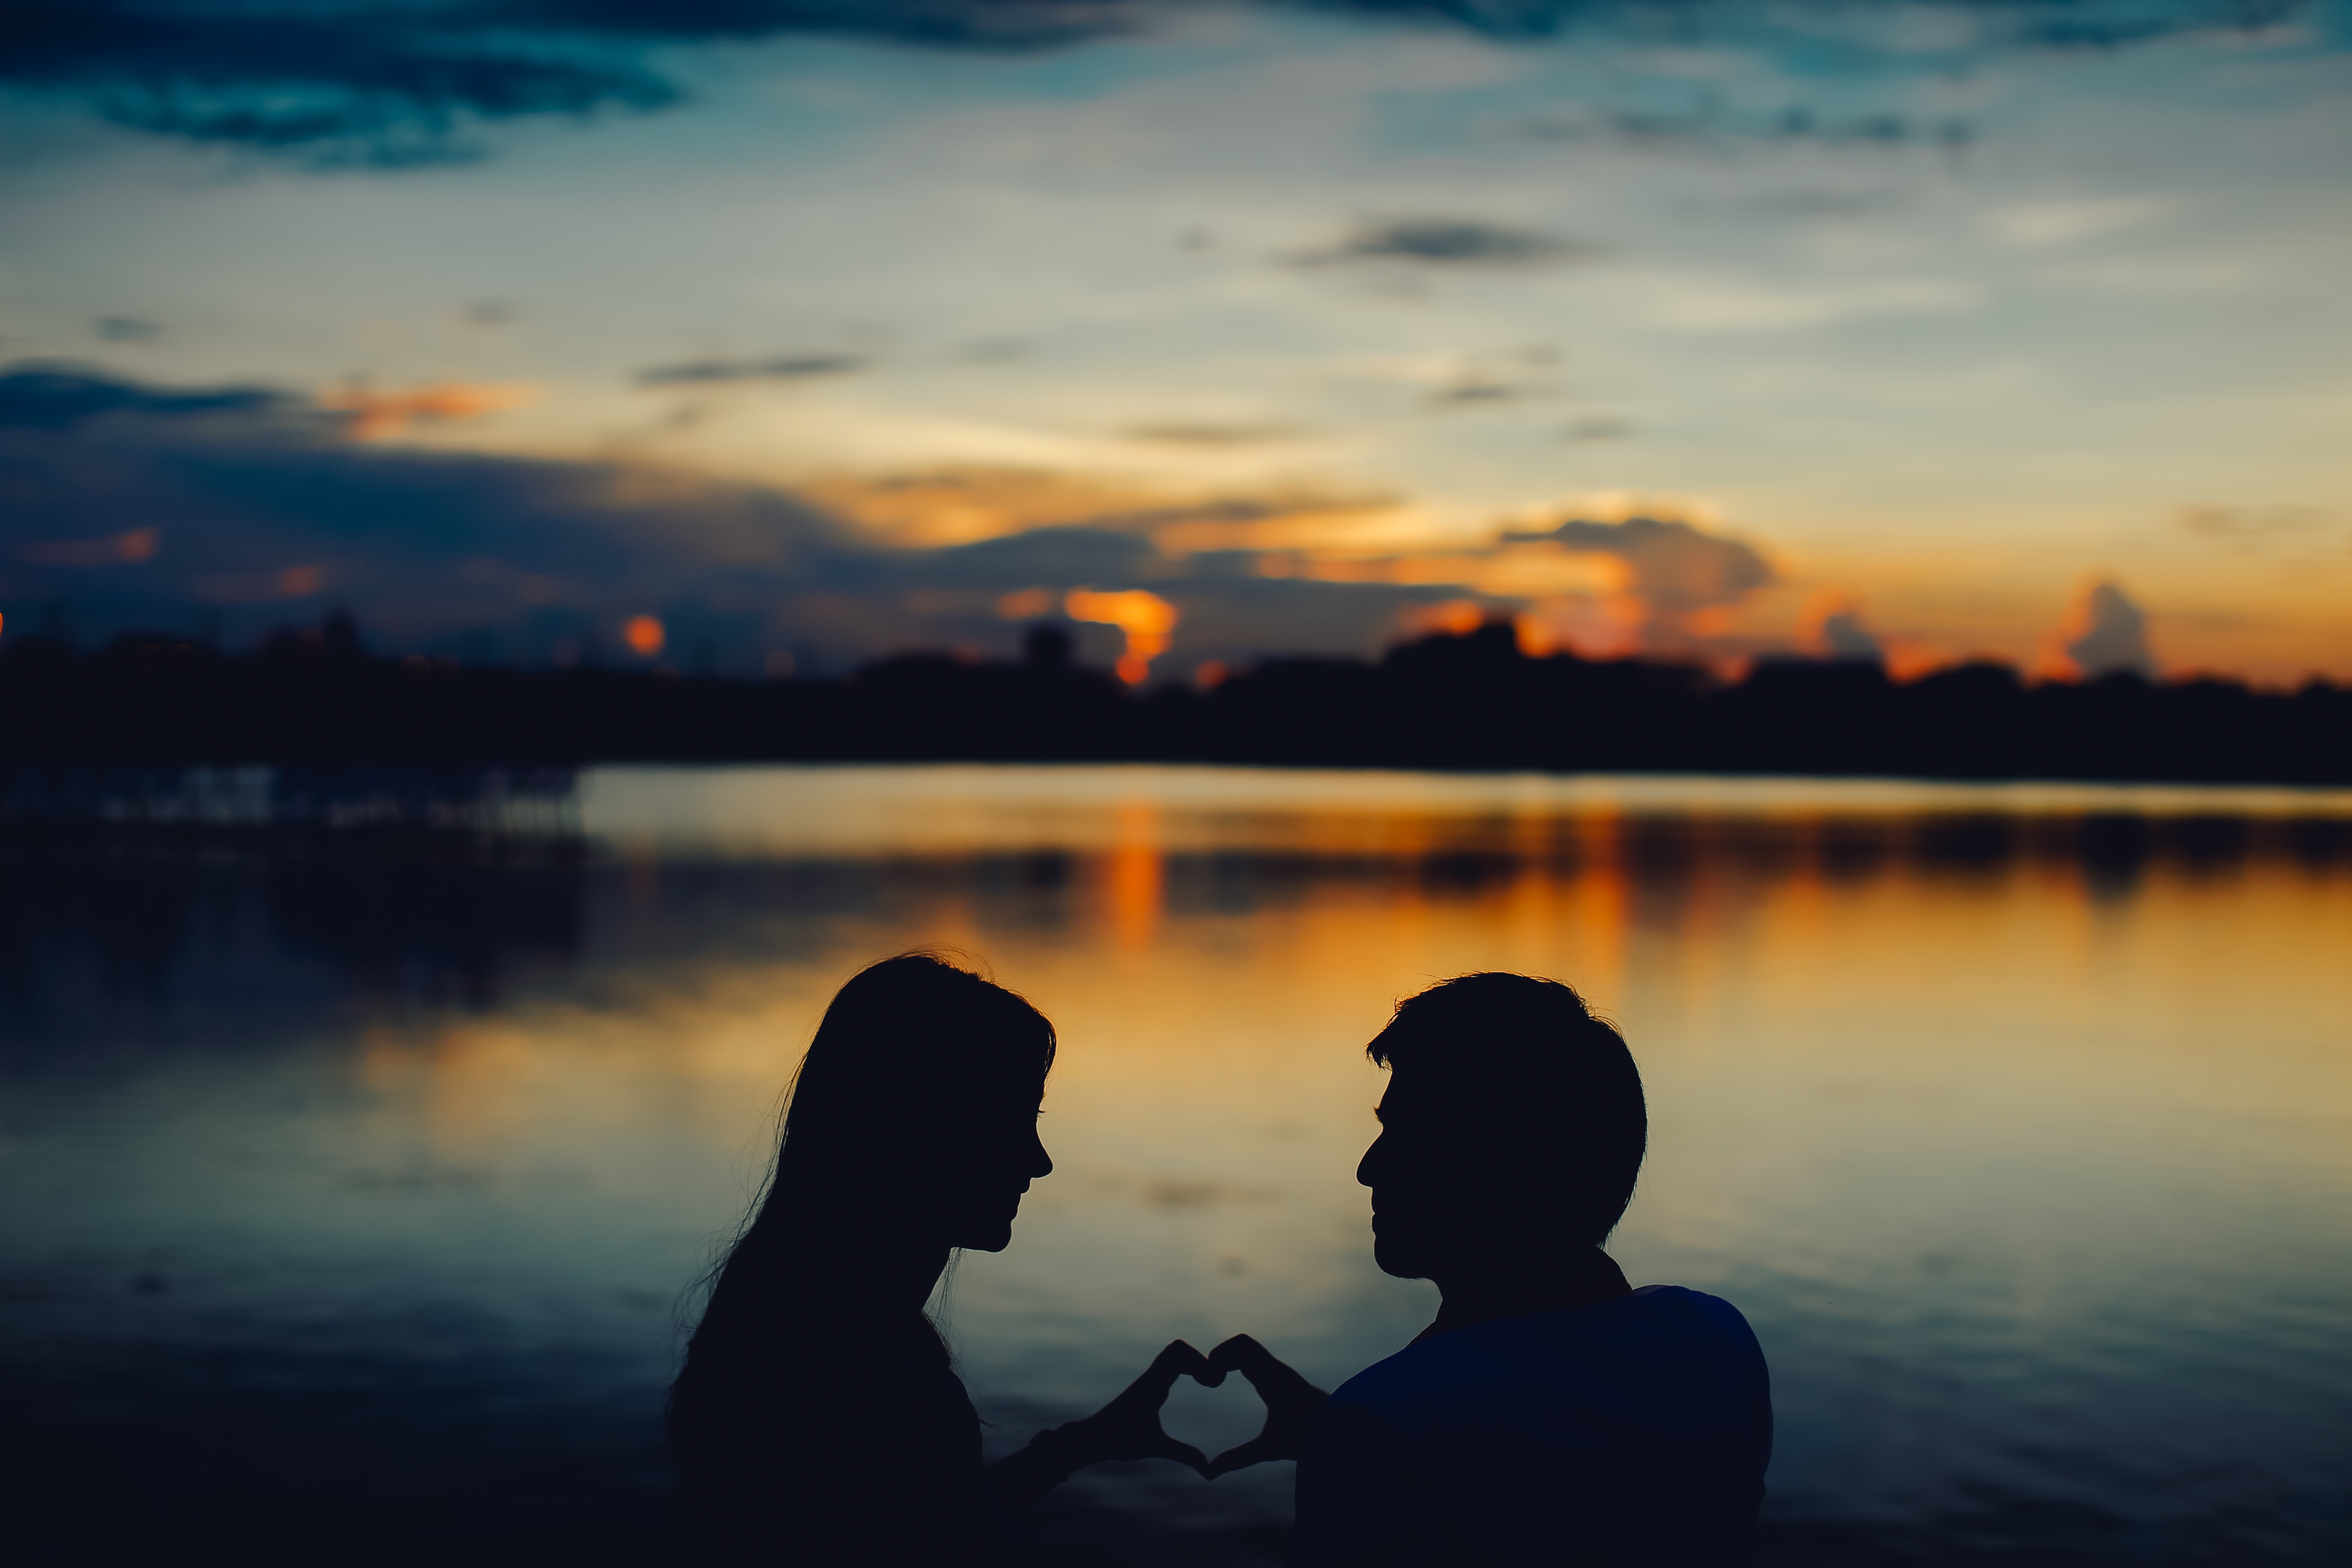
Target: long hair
912	1053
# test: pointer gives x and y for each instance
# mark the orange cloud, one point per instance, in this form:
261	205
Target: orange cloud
1145	617
1454	617
958	505
1601	626
372	414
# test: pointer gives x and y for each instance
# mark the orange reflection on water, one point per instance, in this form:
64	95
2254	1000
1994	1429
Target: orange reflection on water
1136	876
1858	1027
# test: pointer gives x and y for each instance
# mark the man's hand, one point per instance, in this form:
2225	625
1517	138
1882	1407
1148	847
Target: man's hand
1289	1398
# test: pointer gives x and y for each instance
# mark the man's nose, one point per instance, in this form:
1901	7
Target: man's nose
1041	1163
1367	1168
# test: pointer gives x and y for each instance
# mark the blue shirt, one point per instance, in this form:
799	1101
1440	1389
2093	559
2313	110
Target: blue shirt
1633	1430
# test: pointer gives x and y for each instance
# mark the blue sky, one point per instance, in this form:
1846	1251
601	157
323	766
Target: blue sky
1318	321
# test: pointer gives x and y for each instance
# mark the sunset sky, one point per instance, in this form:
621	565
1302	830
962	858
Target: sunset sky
822	329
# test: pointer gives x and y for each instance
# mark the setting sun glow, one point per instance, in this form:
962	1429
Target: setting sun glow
1146	618
644	635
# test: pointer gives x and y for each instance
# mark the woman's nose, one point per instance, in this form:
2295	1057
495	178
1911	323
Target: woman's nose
1041	1163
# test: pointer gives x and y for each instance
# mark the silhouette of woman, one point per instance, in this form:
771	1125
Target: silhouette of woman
818	1419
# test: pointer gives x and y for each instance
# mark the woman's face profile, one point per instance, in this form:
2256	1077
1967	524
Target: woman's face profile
1002	1155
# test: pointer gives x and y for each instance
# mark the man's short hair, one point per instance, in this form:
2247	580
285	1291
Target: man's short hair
1525	1082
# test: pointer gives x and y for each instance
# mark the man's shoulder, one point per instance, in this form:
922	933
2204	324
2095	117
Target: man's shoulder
1657	1328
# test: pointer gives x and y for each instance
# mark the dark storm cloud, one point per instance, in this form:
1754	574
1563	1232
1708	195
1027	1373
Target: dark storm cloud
384	84
783	367
127	505
47	396
389	83
244	487
1443	242
392	82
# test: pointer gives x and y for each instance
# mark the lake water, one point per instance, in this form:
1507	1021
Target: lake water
353	1189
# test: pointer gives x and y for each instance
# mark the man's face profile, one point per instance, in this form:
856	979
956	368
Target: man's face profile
1456	1178
1417	1176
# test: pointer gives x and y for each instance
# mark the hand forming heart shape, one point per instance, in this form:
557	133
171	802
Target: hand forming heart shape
1128	1426
1289	1399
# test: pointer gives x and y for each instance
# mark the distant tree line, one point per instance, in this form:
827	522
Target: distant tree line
1472	700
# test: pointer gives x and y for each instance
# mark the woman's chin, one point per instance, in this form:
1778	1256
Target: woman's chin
986	1237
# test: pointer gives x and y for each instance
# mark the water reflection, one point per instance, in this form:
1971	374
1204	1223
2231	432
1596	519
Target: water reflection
2015	1120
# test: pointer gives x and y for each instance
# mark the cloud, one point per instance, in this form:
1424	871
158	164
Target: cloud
1443	242
1056	557
1602	589
266	507
383	84
1741	308
1599	427
955	505
131	546
125	329
1143	617
263	494
396	83
2254	528
1835	629
2038	226
1671	587
260	587
52	395
1805	205
783	367
2106	634
1479	390
1719	125
1843	635
1984	26
1676	568
1211	432
374	413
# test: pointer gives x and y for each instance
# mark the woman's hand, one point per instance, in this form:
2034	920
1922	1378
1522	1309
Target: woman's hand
1128	1426
1289	1398
1127	1429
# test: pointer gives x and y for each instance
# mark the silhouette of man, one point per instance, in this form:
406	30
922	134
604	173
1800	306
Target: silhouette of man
1551	1413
